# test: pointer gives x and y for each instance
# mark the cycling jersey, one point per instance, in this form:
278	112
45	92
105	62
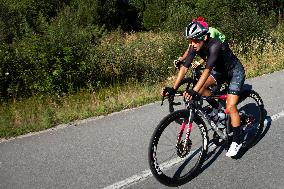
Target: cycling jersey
221	59
217	55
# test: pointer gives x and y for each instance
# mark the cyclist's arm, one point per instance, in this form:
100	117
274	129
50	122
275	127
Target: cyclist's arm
189	55
183	57
202	79
214	53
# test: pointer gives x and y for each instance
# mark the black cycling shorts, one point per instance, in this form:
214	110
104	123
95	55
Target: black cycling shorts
235	79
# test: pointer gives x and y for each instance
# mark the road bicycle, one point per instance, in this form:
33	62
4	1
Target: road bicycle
179	144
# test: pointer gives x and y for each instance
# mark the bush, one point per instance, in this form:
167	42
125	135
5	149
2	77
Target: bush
58	47
55	62
143	57
239	20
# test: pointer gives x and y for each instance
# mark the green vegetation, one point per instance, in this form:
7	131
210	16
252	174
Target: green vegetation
35	114
66	60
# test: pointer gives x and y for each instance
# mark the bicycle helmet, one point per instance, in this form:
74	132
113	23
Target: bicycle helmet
197	29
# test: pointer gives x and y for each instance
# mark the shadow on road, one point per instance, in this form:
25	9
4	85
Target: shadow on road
216	151
211	157
266	128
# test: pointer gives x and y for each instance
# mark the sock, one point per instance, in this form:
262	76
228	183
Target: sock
213	103
236	134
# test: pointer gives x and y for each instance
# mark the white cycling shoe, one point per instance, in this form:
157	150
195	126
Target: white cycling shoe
234	149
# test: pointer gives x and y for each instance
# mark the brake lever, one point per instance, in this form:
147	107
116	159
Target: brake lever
163	98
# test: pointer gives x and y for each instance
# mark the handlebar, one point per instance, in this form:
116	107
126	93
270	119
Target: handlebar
170	97
199	98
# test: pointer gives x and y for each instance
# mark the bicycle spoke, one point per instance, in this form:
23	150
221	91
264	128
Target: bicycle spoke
161	144
176	160
251	113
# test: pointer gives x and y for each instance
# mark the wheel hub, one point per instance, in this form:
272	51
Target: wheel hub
183	149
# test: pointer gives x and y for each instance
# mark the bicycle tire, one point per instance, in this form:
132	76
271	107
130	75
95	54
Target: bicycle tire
252	133
155	161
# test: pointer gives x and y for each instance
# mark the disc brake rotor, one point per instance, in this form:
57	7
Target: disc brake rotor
183	150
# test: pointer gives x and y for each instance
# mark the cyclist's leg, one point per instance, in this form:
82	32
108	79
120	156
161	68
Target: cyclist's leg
208	83
213	79
231	107
235	86
236	83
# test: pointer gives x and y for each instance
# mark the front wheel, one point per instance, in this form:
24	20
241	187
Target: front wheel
174	162
251	110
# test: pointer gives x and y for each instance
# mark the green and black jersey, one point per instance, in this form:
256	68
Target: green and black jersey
217	54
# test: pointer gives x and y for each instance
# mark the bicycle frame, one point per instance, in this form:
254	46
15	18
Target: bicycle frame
222	135
193	108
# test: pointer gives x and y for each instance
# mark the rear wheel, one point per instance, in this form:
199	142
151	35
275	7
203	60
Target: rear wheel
174	163
251	110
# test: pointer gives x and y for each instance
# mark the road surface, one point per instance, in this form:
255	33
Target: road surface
111	151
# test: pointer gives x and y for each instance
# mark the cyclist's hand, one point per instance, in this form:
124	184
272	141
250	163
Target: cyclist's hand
168	91
178	63
191	94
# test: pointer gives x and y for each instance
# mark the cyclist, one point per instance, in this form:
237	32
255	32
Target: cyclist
221	66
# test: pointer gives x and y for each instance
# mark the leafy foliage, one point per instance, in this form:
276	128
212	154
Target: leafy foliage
63	46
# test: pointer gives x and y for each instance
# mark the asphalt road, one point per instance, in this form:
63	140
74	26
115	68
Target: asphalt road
111	152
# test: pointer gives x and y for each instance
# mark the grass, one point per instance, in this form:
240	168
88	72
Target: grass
35	114
269	60
38	113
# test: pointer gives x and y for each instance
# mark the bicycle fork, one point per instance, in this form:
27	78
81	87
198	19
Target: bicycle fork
188	124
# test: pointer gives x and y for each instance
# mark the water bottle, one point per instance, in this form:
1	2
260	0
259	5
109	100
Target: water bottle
221	120
214	115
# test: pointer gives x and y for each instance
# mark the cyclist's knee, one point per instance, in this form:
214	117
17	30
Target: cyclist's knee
231	108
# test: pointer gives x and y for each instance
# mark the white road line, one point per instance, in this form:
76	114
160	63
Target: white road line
147	173
274	117
131	180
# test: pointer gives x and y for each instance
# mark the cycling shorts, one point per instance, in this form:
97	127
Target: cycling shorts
235	79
